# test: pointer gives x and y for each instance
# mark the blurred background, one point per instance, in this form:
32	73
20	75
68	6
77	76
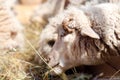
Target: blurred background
34	15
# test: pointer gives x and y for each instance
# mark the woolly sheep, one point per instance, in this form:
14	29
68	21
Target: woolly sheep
11	31
52	24
87	36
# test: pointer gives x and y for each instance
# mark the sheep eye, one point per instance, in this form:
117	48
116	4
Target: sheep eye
51	43
71	19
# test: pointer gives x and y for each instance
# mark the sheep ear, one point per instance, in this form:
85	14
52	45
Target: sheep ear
89	32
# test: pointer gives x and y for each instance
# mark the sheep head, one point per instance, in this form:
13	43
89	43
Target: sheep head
66	48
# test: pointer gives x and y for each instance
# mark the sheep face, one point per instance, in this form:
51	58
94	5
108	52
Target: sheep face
61	51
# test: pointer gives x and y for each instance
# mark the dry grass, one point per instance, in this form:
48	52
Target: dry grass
16	65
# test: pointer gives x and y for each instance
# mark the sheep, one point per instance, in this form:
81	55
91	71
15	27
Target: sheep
11	31
87	36
47	30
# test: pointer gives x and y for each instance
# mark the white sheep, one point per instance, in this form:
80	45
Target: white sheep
57	19
11	31
87	36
